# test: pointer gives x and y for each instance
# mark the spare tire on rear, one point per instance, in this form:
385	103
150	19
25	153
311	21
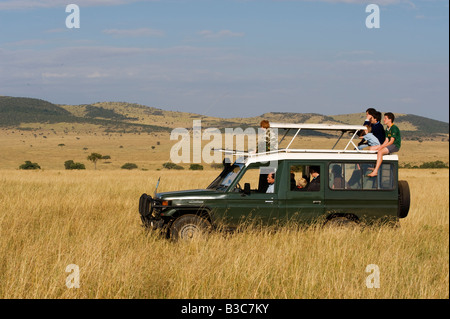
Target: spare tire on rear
403	199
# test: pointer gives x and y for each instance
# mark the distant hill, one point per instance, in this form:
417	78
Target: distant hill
131	117
15	111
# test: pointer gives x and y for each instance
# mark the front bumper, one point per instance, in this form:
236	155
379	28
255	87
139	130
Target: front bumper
150	212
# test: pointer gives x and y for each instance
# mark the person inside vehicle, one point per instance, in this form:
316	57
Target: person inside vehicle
293	183
314	185
338	179
271	181
265	126
302	183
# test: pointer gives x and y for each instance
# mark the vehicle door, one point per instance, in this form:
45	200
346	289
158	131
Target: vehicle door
304	198
255	205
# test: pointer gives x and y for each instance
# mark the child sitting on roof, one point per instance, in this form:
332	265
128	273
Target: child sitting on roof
371	139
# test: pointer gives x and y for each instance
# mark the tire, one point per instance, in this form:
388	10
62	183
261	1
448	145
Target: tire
188	227
404	199
145	208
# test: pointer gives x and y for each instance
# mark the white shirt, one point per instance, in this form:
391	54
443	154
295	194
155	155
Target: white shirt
270	189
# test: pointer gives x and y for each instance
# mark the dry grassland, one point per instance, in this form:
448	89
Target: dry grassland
50	219
148	151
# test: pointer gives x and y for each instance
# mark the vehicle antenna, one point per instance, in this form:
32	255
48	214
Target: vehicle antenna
157	184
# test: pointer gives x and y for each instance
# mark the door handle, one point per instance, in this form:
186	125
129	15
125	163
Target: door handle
317	201
269	201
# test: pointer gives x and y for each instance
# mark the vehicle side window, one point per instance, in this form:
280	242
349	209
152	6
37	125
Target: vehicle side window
353	176
304	178
386	176
336	176
256	176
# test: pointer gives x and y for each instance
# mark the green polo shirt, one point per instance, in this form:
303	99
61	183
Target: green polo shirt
394	132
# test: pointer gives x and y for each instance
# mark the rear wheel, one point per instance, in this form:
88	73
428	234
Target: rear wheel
188	227
404	199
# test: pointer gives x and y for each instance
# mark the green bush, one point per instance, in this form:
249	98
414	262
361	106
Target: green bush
435	164
29	165
72	165
196	167
129	166
217	165
170	165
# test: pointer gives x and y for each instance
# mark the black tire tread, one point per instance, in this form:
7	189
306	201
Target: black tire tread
404	199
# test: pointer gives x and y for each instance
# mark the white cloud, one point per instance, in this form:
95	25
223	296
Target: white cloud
49	75
208	34
97	74
252	84
142	32
30	42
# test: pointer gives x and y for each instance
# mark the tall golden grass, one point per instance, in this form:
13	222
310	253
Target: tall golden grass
50	219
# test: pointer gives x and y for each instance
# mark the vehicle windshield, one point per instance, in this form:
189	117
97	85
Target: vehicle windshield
226	177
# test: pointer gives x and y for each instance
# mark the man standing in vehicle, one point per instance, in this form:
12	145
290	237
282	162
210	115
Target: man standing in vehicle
392	143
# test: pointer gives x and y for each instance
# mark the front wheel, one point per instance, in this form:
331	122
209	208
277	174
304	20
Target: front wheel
188	227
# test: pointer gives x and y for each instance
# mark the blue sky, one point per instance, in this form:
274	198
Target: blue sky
230	58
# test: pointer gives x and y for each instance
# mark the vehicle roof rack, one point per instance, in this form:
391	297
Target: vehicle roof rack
343	128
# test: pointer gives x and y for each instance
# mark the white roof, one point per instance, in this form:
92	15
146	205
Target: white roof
286	153
357	156
312	126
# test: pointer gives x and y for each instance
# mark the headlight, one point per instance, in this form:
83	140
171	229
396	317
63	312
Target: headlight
165	203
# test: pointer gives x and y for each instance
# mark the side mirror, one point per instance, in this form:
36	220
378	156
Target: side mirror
247	188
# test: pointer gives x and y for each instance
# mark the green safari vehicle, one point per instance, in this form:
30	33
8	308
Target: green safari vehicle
309	185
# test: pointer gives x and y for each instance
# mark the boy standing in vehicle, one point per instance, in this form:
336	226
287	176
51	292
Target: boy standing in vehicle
392	143
270	138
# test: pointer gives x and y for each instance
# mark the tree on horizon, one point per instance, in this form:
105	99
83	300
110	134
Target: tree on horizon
94	157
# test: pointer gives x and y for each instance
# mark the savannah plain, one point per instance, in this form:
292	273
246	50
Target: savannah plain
51	218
